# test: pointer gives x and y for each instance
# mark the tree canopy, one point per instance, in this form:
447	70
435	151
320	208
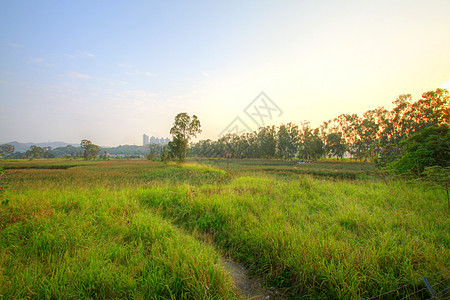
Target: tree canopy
6	150
90	151
184	128
427	148
375	136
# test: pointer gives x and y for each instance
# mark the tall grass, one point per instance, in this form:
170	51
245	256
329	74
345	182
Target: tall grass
66	234
130	229
318	238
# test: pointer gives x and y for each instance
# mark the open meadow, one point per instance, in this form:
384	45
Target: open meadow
149	230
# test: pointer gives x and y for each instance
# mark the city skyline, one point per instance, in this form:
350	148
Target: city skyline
154	140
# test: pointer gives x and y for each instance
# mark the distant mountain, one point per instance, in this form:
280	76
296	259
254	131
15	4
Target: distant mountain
22	147
62	149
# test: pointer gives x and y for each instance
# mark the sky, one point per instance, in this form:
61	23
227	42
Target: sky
110	71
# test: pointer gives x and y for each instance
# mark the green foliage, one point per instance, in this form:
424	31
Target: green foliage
35	152
334	146
184	128
267	141
287	136
155	151
374	136
178	148
437	174
6	150
166	154
427	148
90	151
129	150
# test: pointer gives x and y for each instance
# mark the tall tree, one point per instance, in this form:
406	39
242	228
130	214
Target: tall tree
334	145
284	140
288	139
90	151
6	150
184	128
397	127
433	109
349	125
267	141
35	152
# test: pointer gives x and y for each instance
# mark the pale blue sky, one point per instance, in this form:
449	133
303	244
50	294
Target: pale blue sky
110	71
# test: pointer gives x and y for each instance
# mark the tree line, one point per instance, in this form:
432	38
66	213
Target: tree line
376	135
76	152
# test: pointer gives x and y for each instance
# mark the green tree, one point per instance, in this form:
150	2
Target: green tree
427	148
316	146
90	151
334	146
6	150
349	125
284	141
432	110
267	141
48	152
166	155
34	152
184	128
155	151
288	139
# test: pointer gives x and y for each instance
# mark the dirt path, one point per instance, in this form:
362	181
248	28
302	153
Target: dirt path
250	288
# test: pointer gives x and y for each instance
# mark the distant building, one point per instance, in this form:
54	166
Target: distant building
155	140
160	141
145	142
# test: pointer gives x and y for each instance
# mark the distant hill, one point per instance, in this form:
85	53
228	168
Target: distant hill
22	147
62	149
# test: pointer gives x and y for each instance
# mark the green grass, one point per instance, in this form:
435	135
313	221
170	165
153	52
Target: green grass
138	229
12	164
329	169
315	238
69	234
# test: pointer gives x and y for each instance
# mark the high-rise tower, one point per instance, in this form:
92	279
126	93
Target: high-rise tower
145	139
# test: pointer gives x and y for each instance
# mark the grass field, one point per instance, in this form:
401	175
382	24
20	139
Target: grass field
140	229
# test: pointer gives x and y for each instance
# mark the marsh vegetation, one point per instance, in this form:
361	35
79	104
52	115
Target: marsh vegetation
142	229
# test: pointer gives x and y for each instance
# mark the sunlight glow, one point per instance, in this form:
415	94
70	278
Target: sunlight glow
446	85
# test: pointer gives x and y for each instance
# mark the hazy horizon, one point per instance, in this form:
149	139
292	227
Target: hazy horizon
110	72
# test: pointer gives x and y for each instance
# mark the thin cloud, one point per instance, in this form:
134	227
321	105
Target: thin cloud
137	72
36	59
80	54
78	75
133	71
85	53
15	45
40	60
